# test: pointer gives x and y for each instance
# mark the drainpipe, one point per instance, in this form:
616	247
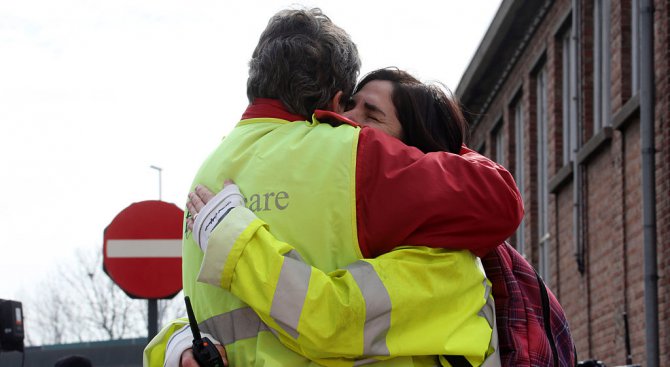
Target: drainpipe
648	180
578	169
577	197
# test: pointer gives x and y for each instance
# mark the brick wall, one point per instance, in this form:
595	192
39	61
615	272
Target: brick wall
602	264
634	260
613	280
662	51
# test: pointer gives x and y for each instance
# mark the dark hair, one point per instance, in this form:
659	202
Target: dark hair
303	59
431	120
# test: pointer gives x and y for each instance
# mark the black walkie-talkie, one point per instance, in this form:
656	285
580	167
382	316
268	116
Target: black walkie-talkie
204	351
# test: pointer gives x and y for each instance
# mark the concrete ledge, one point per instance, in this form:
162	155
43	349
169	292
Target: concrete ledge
627	112
562	177
594	144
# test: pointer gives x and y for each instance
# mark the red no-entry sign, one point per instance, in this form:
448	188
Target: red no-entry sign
142	249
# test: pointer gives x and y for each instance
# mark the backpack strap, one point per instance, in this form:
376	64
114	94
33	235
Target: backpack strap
546	313
457	361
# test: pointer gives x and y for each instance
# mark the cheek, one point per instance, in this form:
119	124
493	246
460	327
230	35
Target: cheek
339	109
387	129
352	115
395	130
397	134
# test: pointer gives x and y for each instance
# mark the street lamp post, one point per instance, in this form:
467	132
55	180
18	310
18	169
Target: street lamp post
153	303
160	174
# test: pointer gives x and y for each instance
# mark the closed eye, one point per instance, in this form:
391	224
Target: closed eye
374	109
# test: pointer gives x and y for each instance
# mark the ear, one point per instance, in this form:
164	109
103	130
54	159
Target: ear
335	104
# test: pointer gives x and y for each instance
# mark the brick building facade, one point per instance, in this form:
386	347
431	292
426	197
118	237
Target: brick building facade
554	94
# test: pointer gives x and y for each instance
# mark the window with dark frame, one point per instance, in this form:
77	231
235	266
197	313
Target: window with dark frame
601	64
542	173
482	148
569	100
499	144
519	174
635	47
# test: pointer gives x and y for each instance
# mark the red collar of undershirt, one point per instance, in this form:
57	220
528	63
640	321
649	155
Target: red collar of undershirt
333	118
274	108
266	107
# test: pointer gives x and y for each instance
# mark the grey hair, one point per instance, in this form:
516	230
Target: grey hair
303	59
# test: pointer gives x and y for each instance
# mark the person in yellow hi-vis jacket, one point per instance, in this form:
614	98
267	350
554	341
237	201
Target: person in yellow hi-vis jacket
314	184
339	285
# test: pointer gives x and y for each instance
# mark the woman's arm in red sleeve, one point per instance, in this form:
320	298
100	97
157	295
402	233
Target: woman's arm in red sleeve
406	197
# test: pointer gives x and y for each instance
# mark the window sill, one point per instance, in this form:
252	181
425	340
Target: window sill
602	138
627	112
562	177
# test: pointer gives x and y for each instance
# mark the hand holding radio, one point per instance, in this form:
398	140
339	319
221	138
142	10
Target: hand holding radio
204	352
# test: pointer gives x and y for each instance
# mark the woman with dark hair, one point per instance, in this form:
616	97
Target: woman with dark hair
425	116
429	119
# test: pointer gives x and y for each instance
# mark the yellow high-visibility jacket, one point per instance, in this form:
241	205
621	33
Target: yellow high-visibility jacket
337	318
298	177
392	305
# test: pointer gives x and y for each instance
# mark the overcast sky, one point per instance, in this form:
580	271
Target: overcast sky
93	92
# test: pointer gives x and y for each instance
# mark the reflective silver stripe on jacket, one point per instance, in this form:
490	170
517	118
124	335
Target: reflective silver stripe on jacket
235	325
377	308
488	312
295	255
367	361
290	293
